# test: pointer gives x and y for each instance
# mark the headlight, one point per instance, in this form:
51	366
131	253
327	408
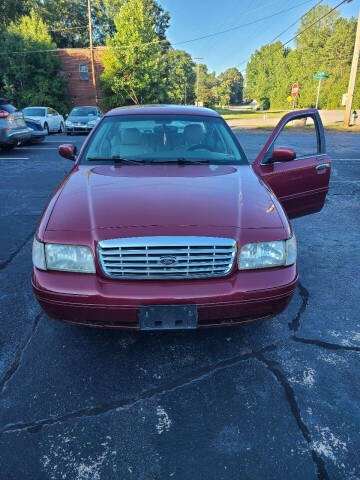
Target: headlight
65	258
91	123
69	258
268	254
38	255
68	123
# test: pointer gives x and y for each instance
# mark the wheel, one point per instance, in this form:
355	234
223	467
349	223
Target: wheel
62	128
46	126
7	147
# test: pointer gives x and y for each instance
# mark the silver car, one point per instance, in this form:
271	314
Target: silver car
13	129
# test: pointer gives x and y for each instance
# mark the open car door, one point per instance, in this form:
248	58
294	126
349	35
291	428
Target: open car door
298	176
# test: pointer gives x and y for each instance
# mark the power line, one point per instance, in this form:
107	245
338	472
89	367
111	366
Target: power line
25	52
304	30
231	29
284	31
296	21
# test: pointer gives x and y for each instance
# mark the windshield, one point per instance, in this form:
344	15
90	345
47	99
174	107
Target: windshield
34	112
83	112
163	138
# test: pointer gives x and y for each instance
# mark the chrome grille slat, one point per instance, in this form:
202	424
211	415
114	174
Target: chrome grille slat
140	257
156	258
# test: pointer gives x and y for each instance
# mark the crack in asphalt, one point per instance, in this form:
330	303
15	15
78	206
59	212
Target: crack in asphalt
328	345
304	293
19	353
147	395
294	407
13	255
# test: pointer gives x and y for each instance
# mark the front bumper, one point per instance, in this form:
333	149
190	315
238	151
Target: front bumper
78	129
37	136
13	136
92	300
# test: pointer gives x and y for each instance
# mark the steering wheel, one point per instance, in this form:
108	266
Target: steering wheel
199	146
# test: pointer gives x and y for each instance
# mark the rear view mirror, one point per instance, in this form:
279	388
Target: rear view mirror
282	154
68	150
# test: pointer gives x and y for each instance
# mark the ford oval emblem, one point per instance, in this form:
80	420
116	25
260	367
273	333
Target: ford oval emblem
168	260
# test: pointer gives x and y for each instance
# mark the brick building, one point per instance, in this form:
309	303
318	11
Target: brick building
76	68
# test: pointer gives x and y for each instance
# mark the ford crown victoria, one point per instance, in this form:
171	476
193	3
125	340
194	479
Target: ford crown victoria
162	223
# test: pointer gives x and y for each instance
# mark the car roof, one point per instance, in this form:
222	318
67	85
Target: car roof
35	106
162	110
85	106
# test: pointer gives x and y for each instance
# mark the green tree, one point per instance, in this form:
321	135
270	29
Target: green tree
33	76
179	77
207	83
325	46
12	10
267	74
232	82
133	62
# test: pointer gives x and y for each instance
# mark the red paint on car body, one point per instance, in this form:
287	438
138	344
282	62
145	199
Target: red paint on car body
242	202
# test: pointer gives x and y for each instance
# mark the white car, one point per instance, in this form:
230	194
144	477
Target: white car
49	118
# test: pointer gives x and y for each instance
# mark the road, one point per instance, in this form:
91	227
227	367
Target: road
277	399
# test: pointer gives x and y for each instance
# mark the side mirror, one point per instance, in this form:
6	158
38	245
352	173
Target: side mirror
68	150
282	154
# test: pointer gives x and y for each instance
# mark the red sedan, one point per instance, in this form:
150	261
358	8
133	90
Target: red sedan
162	223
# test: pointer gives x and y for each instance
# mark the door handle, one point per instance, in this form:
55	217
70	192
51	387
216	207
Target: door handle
322	166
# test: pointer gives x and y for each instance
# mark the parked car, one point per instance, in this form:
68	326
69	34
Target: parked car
82	120
49	118
38	133
163	224
13	129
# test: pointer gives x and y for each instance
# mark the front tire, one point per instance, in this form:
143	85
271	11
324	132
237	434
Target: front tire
6	147
46	127
62	128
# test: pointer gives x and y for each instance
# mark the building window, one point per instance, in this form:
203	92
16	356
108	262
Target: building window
83	72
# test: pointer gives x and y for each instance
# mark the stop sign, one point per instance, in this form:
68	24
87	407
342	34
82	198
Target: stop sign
294	90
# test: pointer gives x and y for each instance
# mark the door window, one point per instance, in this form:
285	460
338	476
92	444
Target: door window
306	144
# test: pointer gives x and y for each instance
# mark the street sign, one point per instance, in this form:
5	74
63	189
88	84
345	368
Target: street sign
321	75
294	90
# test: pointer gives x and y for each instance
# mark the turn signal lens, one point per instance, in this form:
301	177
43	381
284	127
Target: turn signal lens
38	255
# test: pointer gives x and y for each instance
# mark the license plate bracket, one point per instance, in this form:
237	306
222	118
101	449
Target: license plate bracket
168	317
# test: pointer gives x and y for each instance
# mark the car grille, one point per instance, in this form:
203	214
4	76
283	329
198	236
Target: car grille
166	257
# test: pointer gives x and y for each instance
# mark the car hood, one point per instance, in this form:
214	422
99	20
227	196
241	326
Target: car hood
106	196
84	119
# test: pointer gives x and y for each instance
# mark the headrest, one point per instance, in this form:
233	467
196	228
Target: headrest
130	136
193	133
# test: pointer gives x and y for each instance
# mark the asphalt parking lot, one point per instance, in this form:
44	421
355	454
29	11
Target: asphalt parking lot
277	399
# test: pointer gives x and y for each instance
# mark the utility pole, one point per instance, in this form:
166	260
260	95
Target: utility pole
319	76
318	93
352	79
92	50
197	78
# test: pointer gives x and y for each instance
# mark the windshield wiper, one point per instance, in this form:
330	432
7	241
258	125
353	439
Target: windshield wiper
182	161
116	159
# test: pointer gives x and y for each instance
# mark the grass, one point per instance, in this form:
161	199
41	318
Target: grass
331	127
246	114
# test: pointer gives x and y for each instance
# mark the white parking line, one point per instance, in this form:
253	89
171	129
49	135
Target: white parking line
14	158
36	148
344	181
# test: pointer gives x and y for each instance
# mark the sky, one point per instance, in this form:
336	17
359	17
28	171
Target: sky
194	18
